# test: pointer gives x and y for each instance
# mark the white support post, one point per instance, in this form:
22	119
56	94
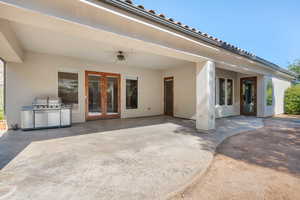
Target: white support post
205	95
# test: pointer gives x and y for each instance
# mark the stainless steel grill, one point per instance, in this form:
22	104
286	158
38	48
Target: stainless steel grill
46	112
47	103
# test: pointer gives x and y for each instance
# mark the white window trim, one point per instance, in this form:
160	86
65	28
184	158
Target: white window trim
226	92
66	70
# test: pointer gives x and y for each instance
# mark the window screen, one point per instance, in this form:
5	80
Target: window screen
131	94
229	92
68	88
221	91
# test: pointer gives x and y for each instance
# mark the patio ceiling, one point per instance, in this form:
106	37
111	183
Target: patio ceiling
41	40
92	35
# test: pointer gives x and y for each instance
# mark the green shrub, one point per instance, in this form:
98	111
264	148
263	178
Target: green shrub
270	93
1	115
292	100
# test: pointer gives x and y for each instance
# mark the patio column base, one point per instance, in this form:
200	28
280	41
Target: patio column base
205	96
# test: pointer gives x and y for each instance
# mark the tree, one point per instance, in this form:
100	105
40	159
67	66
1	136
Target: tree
292	100
295	67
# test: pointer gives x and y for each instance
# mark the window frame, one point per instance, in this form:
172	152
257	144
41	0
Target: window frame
232	99
226	92
77	108
269	80
135	78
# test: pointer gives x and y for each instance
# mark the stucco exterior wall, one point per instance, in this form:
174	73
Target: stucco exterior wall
279	87
184	90
185	96
228	110
38	75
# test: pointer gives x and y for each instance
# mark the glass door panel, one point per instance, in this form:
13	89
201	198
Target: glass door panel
169	96
94	95
248	96
102	95
112	97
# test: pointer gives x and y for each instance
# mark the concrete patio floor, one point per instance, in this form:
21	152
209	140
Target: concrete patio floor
145	158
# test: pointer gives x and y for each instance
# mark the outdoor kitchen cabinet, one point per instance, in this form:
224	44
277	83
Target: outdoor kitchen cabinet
40	119
48	118
27	120
66	117
47	112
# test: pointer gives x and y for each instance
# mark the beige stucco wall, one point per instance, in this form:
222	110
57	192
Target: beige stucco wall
38	76
184	90
260	96
279	87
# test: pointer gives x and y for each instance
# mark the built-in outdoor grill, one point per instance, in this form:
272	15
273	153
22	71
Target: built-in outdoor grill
46	112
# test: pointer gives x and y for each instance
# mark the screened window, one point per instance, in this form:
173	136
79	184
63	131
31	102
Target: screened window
270	93
68	88
221	91
229	91
224	91
131	93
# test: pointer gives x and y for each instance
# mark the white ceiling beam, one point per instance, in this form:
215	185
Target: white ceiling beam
10	48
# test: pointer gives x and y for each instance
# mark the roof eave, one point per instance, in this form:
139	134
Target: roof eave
145	14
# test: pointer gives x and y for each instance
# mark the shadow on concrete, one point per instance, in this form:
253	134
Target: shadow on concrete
276	146
14	142
225	127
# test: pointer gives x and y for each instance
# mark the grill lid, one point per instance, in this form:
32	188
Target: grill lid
42	101
54	101
46	101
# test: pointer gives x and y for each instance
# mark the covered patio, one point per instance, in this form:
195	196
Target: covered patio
142	158
40	47
93	64
159	79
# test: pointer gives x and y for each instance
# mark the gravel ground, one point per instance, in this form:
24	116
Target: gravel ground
262	164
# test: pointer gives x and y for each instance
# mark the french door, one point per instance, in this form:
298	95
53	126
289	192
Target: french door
102	92
248	96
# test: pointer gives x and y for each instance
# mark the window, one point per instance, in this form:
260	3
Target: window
221	91
132	93
270	93
229	92
224	92
68	88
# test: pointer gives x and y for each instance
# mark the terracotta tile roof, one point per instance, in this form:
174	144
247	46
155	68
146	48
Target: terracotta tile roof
187	27
207	37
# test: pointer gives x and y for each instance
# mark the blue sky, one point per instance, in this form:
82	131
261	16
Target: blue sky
268	28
